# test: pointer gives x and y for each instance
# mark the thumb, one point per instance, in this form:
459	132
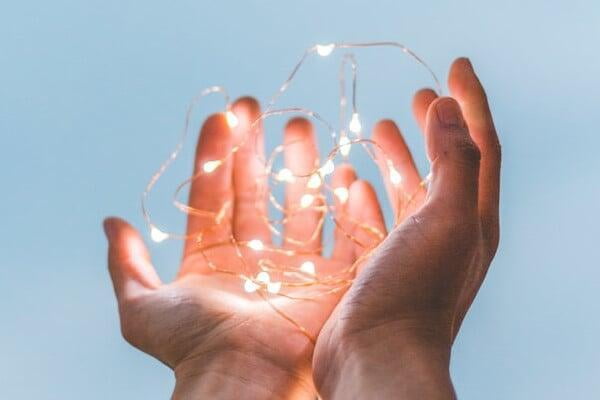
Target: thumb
128	260
453	154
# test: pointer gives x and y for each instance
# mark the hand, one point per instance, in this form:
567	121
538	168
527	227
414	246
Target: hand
391	334
219	340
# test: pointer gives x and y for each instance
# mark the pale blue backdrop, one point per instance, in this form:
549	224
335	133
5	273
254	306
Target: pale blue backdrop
91	99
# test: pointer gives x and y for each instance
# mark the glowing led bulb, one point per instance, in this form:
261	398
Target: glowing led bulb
327	168
306	200
341	193
355	125
345	145
314	182
428	177
325	49
308	267
263	277
274	287
256	245
395	176
232	119
210	166
250	286
157	235
285	175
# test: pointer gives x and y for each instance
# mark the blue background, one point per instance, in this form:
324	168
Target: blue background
92	95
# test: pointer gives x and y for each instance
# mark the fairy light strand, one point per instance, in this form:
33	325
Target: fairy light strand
273	275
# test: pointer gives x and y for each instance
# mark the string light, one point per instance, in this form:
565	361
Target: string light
314	182
325	49
341	193
355	125
306	200
395	176
256	245
269	269
232	119
285	175
157	235
210	166
345	146
308	267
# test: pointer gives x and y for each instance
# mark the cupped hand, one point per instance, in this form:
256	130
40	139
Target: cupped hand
390	336
219	340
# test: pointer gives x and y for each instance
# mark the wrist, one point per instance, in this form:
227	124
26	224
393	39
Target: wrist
387	362
234	374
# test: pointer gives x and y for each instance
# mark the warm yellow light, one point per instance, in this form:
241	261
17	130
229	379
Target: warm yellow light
210	166
314	182
355	125
341	193
327	168
232	119
250	286
325	49
157	235
263	277
285	175
306	200
395	176
308	267
274	287
256	245
345	145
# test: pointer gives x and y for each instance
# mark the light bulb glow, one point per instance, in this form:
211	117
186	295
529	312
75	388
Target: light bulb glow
256	245
273	287
314	182
327	168
210	166
250	287
395	176
285	175
341	193
345	146
325	49
232	119
355	125
157	235
263	277
308	267
306	200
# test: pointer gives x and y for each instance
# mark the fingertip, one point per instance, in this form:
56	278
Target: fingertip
216	124
298	128
246	104
344	172
421	102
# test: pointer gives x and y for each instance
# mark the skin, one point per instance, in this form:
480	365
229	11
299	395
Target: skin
394	327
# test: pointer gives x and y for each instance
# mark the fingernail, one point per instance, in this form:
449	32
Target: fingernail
448	113
468	63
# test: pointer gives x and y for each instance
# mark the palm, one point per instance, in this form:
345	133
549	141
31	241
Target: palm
203	312
206	311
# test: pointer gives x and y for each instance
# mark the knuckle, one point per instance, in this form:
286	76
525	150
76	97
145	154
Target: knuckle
468	151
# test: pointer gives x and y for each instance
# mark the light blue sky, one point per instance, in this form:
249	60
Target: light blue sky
92	96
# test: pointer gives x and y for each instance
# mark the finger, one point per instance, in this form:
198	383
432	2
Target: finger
301	157
343	248
210	190
364	209
404	189
129	264
249	179
421	102
454	157
468	91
